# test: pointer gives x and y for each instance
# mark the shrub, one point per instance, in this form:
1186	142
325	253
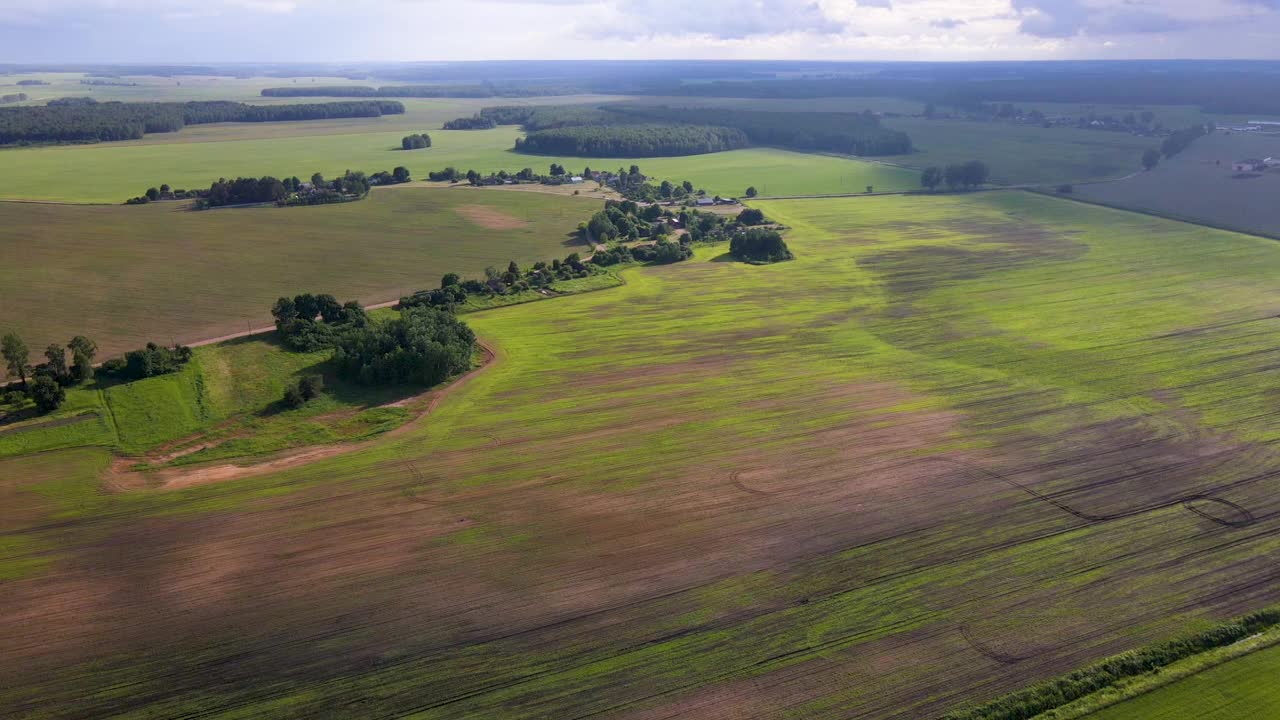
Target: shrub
293	397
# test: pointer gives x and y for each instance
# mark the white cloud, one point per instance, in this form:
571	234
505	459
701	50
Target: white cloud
339	30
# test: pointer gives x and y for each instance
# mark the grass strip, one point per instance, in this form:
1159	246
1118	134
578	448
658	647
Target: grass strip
1052	694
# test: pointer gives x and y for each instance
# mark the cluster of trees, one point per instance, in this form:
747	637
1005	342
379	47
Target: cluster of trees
624	220
475	122
646	140
417	141
844	133
304	391
12	98
289	191
662	251
968	175
28	83
50	377
72	120
454	291
424	346
309	322
148	362
759	245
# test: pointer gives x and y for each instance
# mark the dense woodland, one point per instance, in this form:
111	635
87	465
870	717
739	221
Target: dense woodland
75	120
844	133
631	124
632	140
424	346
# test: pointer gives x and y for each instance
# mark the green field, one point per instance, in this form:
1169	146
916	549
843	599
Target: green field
815	489
128	275
1241	688
1023	154
1199	185
111	172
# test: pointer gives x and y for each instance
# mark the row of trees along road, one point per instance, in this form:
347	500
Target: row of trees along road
49	377
959	175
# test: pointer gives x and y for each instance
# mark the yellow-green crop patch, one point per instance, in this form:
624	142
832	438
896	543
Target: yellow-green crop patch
958	445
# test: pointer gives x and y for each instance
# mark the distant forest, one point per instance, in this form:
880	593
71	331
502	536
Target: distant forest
649	140
844	133
78	120
416	91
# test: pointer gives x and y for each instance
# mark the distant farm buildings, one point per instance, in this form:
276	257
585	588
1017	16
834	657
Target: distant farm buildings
1249	165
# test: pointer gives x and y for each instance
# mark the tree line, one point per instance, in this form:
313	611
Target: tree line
454	290
648	140
12	98
419	91
74	120
475	122
45	384
967	175
289	191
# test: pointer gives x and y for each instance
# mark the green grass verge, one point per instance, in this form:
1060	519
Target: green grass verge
1041	698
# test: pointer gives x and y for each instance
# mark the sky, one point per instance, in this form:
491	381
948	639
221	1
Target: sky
44	31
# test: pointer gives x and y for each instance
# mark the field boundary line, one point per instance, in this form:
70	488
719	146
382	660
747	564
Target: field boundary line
1162	678
1152	213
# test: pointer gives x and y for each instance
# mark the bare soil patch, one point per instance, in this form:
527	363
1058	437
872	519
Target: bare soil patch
490	218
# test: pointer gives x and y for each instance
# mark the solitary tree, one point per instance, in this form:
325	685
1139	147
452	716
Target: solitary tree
751	191
1150	158
400	174
688	186
57	357
153	194
450	279
47	393
317	180
15	356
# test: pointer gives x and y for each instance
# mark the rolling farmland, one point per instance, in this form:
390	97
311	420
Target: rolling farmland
111	172
1199	185
129	275
958	445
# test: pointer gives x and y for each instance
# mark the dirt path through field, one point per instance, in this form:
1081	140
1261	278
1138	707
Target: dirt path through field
120	477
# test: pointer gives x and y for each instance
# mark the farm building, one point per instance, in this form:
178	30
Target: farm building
705	201
575	179
1249	165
